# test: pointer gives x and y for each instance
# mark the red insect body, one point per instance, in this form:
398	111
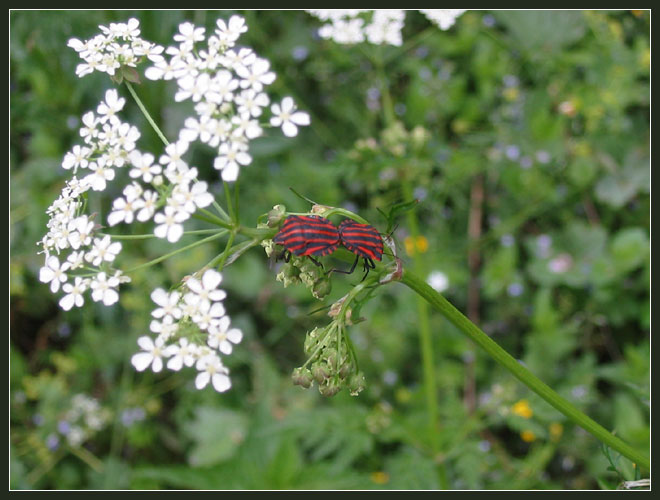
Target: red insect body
361	239
308	235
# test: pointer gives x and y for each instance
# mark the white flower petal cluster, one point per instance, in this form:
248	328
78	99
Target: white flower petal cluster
197	310
227	84
438	281
351	26
84	418
108	145
118	45
444	18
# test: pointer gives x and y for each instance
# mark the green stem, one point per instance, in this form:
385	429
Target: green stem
86	456
146	113
213	219
519	371
151	235
230	206
223	257
219	234
345	213
425	340
236	212
220	210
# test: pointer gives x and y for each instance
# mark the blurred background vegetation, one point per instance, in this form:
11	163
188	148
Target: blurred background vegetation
525	137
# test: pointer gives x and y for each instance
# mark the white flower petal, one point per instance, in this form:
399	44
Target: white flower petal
221	382
141	360
175	363
289	129
146	343
235	335
202	379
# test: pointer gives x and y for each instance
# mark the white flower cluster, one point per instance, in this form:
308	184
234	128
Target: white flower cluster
118	45
438	281
180	316
444	18
81	421
108	143
226	83
350	26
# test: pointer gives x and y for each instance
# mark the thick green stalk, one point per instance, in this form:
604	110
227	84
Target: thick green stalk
519	371
425	340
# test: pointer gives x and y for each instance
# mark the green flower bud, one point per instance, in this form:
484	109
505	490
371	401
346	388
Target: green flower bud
302	377
322	288
356	384
311	341
320	372
276	215
345	368
331	358
288	276
330	388
269	246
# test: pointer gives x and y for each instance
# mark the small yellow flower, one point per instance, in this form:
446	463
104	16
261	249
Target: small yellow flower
556	430
380	477
419	244
409	244
403	395
522	409
645	59
527	436
422	244
511	93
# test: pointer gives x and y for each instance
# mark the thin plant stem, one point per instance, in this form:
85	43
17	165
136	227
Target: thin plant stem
345	213
36	474
220	210
177	251
473	332
146	113
162	136
230	206
213	219
225	254
151	235
88	457
236	212
425	340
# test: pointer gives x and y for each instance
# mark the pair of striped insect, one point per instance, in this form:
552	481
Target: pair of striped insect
311	235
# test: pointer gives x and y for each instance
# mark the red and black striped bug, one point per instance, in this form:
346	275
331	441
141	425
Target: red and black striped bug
364	241
307	235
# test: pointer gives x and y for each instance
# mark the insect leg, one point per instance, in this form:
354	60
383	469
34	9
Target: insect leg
346	272
316	262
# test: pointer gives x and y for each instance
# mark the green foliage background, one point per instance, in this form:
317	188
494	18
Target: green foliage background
549	110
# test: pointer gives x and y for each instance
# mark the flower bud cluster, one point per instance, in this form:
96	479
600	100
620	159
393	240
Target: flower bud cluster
331	364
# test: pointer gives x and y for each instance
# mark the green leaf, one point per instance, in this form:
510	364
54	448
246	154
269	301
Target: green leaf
629	248
217	433
543	31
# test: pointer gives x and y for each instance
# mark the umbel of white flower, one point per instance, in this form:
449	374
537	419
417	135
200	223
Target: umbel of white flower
197	311
379	27
227	84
